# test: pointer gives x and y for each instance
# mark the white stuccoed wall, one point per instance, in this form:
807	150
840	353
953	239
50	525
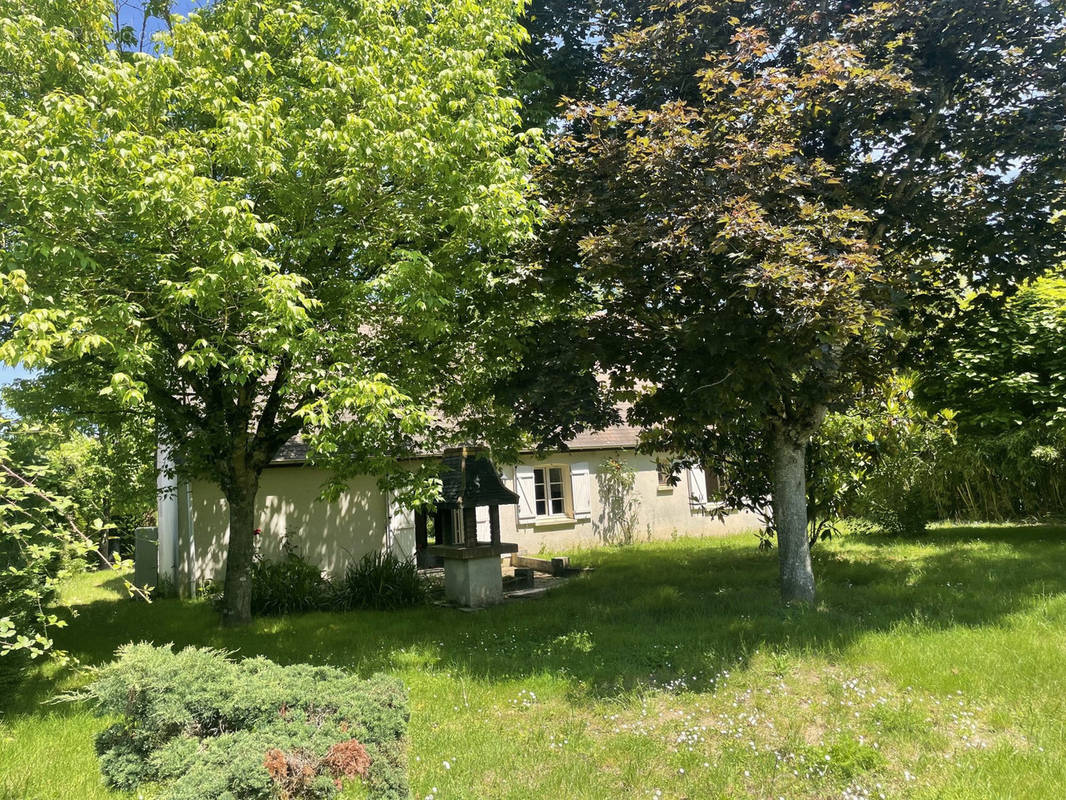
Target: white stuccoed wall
661	512
334	534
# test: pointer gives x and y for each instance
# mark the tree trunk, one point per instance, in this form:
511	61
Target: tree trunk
790	518
240	494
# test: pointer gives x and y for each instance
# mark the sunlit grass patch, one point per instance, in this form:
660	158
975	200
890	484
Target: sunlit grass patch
930	668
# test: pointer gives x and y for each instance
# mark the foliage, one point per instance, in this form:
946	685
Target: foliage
882	460
615	480
104	457
43	543
928	167
291	584
276	226
380	581
1010	476
1004	376
37	552
1006	371
205	726
736	294
563	57
766	198
288	585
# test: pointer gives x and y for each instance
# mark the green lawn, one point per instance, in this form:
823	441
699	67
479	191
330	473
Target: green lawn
930	668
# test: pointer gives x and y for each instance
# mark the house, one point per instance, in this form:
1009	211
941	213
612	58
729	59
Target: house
598	491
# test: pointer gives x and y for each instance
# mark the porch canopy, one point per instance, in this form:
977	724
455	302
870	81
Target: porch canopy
470	481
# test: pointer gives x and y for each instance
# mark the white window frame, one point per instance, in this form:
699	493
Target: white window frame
565	481
699	490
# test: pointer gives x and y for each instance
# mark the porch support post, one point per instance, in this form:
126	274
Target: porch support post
469	525
438	526
494	524
421	531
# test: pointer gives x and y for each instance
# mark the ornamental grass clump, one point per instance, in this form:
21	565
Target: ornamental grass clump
381	581
202	726
288	585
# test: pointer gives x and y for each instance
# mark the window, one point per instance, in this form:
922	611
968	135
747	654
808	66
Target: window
550	491
714	484
704	488
553	494
664	469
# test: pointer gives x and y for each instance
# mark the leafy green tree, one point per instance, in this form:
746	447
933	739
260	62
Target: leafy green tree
103	455
1004	376
766	198
293	221
1007	370
47	535
38	550
880	460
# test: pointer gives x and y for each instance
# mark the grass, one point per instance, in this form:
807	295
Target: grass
930	668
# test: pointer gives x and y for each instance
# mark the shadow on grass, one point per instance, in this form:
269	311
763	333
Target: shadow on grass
117	584
647	615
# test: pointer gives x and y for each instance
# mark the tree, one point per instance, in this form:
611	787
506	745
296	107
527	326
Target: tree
292	221
47	537
1008	370
880	460
730	285
102	455
1004	376
563	56
38	551
764	230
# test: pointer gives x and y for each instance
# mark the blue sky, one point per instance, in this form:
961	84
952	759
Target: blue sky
130	12
9	374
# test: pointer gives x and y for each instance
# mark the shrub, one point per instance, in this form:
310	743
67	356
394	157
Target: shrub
899	509
203	727
288	585
381	581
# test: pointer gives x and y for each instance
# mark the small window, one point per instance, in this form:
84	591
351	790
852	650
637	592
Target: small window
550	488
664	470
714	484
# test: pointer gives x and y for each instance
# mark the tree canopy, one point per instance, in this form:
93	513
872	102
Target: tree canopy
1004	376
764	201
102	456
293	216
1007	370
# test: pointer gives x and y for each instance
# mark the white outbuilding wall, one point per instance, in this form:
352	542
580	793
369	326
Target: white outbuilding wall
362	520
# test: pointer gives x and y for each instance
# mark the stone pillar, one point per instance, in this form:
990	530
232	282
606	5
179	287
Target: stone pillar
473	582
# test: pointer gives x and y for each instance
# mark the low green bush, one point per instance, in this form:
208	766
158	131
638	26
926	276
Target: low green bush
899	510
381	581
205	727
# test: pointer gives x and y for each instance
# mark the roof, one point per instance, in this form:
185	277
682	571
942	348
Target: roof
615	437
470	479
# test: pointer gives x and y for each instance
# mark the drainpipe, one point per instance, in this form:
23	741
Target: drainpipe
190	532
167	516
